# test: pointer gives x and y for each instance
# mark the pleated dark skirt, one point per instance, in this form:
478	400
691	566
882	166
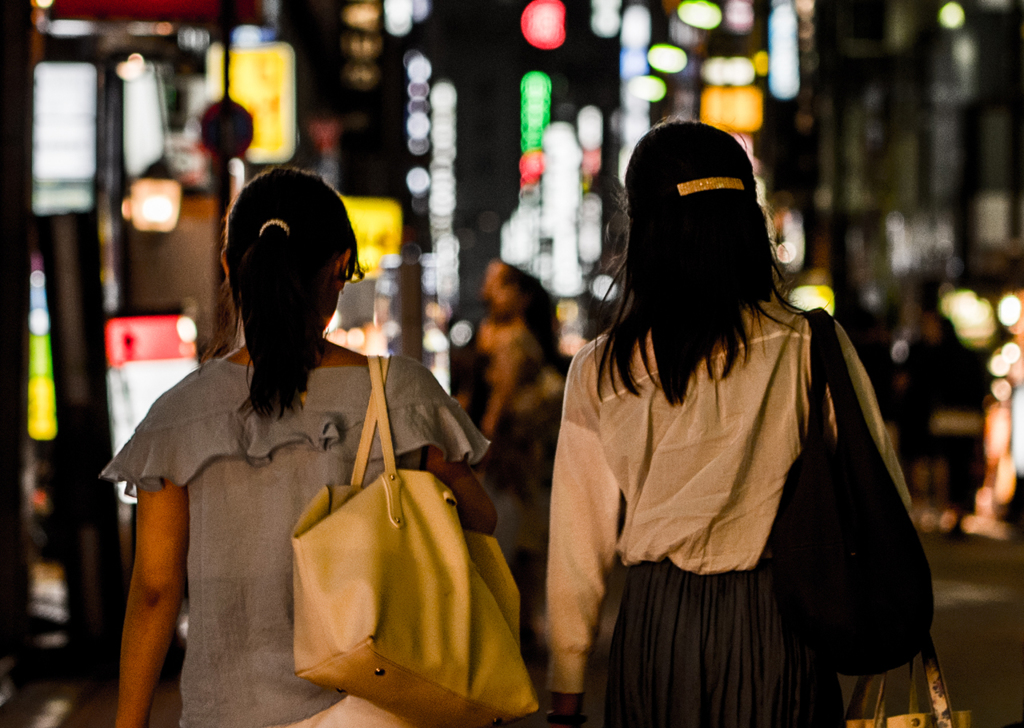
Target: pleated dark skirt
711	651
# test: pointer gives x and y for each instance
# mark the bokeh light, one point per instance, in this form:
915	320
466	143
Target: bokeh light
648	88
187	330
972	317
808	298
1009	310
761	63
418	180
461	333
700	14
543	24
998	365
666	58
952	16
735	71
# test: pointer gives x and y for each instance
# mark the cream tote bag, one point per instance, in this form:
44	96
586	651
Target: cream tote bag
396	604
941	716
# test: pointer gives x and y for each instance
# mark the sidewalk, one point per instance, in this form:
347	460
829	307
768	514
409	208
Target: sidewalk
978	631
82	704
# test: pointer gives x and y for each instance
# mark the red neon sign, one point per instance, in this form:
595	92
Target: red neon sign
543	24
145	338
531	168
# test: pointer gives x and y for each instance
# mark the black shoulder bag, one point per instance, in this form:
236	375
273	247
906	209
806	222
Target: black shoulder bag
850	574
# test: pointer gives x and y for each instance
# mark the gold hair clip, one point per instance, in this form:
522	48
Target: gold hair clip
276	221
709	183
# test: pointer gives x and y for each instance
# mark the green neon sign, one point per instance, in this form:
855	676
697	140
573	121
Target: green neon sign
535	111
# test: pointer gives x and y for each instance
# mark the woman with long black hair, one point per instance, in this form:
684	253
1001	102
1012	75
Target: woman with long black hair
226	461
679	428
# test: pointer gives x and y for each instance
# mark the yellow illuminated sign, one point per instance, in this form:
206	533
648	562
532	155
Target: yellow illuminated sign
734	108
377	223
42	397
262	81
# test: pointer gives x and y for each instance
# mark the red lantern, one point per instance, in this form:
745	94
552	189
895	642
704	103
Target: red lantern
543	24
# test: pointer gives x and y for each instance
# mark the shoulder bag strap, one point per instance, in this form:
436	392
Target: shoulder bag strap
392	483
849	417
369	426
819	379
855	447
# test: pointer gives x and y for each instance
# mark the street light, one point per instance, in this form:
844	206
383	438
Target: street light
154	201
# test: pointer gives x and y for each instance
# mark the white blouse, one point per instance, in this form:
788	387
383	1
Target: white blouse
698	483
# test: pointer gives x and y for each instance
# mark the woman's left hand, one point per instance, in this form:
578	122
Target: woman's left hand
476	511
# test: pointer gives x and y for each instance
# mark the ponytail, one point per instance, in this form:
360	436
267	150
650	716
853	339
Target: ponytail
283	229
283	332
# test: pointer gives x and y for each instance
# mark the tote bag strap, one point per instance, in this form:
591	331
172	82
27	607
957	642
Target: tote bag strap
936	686
858	708
383	423
939	696
369	424
391	481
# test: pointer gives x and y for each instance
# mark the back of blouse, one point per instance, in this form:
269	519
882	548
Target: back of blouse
249	478
698	483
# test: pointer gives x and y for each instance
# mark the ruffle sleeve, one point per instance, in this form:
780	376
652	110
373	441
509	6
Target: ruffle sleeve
176	443
422	413
179	452
446	426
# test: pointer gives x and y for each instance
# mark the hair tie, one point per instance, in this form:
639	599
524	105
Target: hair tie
709	183
279	223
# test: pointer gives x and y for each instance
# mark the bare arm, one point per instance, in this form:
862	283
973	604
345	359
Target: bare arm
476	512
158	584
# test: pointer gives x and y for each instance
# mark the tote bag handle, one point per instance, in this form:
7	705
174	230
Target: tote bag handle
369	425
939	697
377	418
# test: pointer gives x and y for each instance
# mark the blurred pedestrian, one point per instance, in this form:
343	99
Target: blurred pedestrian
680	426
524	381
227	460
873	343
943	422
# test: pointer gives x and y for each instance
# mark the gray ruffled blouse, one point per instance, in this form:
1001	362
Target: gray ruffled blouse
249	478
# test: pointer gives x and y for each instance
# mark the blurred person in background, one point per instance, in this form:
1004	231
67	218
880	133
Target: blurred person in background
873	343
680	426
524	383
227	460
943	422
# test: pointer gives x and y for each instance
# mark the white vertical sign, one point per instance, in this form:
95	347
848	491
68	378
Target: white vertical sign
442	192
63	137
560	204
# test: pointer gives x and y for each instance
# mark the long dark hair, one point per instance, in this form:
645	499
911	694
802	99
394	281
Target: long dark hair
693	264
273	270
538	314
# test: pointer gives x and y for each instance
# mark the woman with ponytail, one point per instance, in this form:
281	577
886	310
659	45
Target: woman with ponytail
226	460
